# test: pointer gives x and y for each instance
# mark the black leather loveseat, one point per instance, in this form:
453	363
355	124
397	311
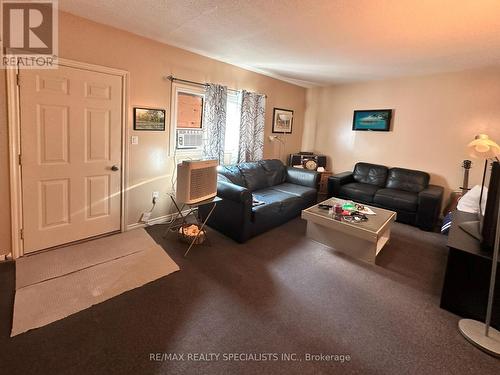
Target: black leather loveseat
405	191
284	191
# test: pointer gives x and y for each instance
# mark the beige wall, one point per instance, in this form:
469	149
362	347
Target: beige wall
434	118
148	62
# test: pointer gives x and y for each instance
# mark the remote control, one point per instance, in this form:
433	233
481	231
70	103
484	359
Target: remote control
325	206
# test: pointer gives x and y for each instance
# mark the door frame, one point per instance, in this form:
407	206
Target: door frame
14	128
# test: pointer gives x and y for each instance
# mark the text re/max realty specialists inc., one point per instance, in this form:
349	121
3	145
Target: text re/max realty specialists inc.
249	357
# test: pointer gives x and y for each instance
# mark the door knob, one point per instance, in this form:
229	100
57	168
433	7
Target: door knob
114	168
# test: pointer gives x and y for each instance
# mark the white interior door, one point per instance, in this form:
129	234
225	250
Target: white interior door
71	121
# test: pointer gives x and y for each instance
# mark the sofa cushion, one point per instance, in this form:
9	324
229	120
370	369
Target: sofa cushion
269	196
372	174
407	180
275	171
358	191
232	174
255	176
275	203
296	190
397	199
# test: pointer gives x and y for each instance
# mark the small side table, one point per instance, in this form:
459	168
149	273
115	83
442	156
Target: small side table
467	278
191	210
323	183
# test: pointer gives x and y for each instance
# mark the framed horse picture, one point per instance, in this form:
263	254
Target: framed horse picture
282	120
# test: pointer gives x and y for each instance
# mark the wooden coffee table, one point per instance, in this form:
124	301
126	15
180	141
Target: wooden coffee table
362	240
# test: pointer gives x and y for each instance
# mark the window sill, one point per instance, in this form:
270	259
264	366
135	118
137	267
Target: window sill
187	153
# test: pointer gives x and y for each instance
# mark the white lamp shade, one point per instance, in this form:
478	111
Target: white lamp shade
483	147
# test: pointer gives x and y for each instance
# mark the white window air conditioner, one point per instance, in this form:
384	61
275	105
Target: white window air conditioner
188	138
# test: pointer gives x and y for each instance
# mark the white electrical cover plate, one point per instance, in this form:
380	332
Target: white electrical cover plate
145	217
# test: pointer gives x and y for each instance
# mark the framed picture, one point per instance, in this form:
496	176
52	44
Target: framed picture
372	120
149	119
282	120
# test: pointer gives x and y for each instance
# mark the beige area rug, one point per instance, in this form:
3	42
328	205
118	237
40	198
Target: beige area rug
52	285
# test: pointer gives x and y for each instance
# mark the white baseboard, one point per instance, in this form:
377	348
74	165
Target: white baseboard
156	220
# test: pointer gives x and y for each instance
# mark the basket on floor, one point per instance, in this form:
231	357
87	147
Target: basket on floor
187	233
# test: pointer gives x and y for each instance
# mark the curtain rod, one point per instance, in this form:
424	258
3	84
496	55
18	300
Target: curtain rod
172	78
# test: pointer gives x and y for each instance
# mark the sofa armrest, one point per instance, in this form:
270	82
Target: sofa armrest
233	192
302	177
232	215
336	181
429	206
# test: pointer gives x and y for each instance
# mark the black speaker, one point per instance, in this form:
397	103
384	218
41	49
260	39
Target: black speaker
489	221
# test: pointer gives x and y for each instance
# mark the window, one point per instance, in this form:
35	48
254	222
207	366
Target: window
187	119
189	110
232	138
187	122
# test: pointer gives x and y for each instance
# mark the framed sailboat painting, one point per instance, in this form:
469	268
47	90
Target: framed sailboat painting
372	120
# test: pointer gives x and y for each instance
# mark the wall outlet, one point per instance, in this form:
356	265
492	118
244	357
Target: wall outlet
145	217
156	194
134	140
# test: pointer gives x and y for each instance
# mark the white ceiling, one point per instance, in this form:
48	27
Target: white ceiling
316	42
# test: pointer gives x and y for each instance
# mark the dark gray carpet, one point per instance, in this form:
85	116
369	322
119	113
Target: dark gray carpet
278	293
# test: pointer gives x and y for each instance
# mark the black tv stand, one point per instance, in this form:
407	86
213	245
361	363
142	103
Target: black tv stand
467	278
472	228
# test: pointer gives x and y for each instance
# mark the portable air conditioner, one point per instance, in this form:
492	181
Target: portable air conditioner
189	138
196	180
